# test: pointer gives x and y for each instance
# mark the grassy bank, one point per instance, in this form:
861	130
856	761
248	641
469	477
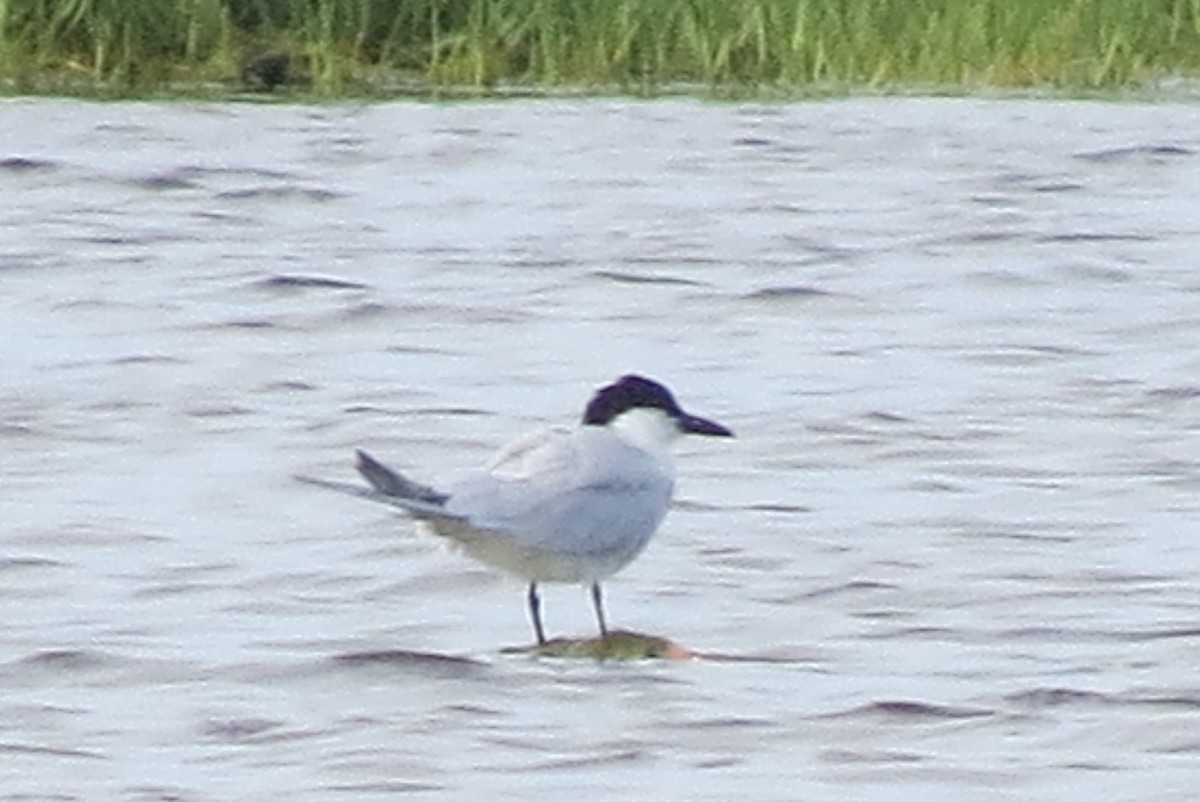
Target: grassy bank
334	47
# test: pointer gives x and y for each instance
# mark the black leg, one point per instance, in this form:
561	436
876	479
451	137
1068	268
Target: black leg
535	612
598	603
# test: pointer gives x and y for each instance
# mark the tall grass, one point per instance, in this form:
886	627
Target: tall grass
644	45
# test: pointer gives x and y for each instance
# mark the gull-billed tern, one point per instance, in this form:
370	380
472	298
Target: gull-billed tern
562	505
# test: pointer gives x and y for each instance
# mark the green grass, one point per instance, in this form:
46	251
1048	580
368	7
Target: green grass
339	47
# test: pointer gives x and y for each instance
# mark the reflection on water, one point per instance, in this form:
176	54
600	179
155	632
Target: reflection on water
951	549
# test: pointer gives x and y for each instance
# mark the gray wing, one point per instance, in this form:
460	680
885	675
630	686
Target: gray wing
388	486
546	510
582	495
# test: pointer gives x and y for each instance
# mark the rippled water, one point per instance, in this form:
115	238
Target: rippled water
953	550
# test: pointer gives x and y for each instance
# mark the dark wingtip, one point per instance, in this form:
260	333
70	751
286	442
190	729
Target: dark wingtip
366	464
381	477
391	483
363	458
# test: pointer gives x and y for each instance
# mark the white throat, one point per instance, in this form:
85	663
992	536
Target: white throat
651	429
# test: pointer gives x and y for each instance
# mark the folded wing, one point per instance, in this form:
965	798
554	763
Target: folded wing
580	493
561	505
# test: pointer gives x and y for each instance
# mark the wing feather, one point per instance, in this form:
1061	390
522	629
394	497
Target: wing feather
576	493
558	505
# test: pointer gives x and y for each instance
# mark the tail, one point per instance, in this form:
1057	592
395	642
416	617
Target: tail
388	487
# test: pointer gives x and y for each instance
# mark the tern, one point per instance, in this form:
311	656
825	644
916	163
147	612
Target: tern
573	504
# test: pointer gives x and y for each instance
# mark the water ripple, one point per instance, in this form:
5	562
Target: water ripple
959	513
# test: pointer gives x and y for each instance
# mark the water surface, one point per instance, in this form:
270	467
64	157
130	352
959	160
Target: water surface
955	541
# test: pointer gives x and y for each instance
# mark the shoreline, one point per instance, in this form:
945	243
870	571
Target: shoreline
784	49
1170	89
